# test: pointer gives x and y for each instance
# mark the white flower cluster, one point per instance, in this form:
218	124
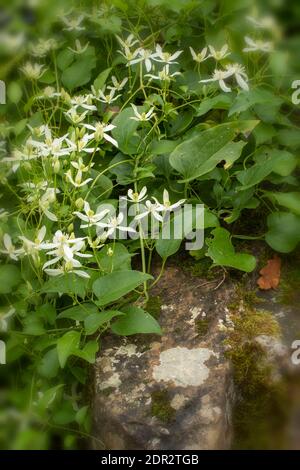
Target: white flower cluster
63	247
148	58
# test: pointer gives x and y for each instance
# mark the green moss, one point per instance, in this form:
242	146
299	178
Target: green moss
261	409
247	296
107	391
160	406
202	326
289	285
153	306
201	268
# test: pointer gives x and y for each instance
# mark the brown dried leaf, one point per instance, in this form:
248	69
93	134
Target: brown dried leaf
270	274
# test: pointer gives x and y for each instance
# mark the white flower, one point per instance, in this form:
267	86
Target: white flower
127	43
108	99
83	102
165	57
167	206
46	200
143	116
10	249
219	55
117	85
42	47
51	146
81	166
70	266
82	144
74	117
128	54
4	316
144	55
48	92
153	209
113	224
266	22
100	132
164	75
200	56
98	242
32	247
26	153
79	49
32	71
77	182
219	76
64	247
240	75
254	46
136	197
90	216
60	240
73	24
11	41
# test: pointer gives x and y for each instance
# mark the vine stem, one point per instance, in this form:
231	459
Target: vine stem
160	273
144	267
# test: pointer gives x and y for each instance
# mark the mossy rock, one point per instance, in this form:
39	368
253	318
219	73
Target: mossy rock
161	407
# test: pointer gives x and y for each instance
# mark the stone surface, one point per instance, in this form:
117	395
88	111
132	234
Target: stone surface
173	391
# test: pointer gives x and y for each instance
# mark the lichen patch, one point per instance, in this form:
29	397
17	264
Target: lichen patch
184	367
112	382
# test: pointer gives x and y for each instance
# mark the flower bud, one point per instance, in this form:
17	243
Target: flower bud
56	165
79	203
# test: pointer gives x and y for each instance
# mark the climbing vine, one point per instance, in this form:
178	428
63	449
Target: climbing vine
152	104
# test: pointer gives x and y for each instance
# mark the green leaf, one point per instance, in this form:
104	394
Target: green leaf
76	75
88	353
48	77
109	25
161	147
201	153
222	252
135	321
79	72
118	260
93	322
113	286
47	313
33	325
9	278
49	364
284	231
47	398
103	187
65	59
190	156
289	200
125	131
14	92
99	82
180	123
67	345
81	415
210	219
217	102
66	284
79	312
247	99
268	161
166	248
284	163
